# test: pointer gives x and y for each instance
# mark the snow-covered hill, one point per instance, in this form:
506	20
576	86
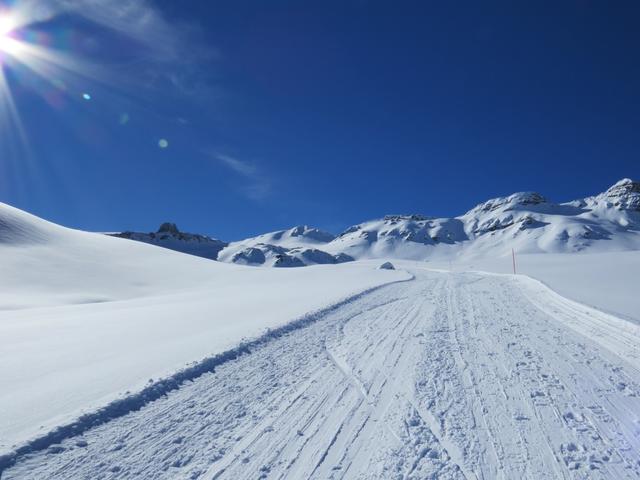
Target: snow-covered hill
296	247
526	222
299	236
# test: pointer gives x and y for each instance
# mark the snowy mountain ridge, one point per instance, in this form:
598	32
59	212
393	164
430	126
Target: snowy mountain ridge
295	247
525	221
168	236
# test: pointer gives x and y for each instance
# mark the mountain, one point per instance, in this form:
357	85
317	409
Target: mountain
526	222
299	236
296	247
168	236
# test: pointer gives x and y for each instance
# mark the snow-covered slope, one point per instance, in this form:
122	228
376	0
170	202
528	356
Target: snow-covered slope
168	236
299	236
44	264
85	317
296	247
605	280
526	222
262	254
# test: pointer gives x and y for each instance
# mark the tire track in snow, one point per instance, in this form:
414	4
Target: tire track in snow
156	390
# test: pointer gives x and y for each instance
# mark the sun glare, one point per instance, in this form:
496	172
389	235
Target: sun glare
7	43
26	56
6	25
10	45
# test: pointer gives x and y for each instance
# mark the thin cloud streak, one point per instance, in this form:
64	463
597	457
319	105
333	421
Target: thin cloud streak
259	185
172	53
244	168
136	19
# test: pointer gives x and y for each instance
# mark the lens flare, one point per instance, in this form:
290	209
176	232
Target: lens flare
27	65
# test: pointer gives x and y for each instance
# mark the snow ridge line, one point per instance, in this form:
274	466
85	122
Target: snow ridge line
136	401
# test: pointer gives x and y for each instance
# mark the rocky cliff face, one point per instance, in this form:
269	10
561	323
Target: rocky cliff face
624	195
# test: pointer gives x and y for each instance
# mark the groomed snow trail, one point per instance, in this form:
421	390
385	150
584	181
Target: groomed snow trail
448	376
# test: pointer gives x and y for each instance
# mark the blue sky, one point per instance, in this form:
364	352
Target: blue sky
322	113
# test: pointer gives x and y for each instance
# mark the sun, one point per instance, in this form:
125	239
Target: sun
24	58
7	26
29	63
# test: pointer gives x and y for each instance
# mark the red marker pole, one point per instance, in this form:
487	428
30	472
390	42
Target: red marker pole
513	259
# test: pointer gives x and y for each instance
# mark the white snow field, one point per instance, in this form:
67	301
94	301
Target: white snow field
609	281
449	375
85	317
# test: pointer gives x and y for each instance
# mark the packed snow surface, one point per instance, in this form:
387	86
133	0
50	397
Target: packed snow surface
608	281
451	376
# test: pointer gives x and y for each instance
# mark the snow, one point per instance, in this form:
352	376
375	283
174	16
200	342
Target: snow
607	281
297	237
86	317
526	222
295	247
459	375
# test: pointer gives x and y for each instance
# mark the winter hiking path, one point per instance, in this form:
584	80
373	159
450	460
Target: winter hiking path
463	375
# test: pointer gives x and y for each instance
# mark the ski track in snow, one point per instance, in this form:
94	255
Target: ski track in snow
449	376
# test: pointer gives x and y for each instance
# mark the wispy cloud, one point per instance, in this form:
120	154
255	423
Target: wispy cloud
256	184
242	167
257	191
171	53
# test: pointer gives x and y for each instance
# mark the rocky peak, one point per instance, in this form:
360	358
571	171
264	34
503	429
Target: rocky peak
398	218
312	233
169	228
623	187
299	230
625	194
520	198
